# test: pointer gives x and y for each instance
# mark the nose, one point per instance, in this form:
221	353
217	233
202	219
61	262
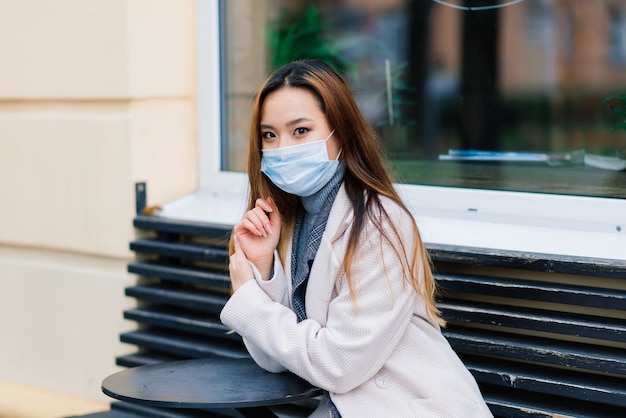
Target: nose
284	141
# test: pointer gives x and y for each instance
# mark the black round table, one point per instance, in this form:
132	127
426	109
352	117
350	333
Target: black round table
208	383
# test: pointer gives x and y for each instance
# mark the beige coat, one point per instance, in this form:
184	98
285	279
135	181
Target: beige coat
382	358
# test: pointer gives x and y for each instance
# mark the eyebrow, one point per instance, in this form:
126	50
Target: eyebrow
290	123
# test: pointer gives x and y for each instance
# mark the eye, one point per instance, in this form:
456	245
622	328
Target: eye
301	131
267	135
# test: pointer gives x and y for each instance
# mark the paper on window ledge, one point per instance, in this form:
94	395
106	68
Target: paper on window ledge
576	157
607	163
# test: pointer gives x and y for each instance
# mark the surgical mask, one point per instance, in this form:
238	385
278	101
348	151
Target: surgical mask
301	169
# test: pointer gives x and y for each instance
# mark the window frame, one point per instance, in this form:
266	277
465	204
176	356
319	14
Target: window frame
531	222
209	97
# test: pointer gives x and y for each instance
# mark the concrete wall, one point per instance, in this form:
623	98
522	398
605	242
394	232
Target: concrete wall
95	95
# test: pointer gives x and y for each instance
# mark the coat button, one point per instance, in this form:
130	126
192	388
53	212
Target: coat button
382	383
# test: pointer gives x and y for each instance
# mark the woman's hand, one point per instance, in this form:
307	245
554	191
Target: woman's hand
257	235
239	267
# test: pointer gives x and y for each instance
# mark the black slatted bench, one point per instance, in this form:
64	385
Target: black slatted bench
181	296
544	335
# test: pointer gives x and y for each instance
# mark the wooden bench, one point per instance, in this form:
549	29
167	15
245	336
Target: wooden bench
544	335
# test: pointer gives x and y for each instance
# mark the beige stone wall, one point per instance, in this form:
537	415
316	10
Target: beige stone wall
95	95
61	319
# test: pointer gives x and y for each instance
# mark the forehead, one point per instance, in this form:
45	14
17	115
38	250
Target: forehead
289	103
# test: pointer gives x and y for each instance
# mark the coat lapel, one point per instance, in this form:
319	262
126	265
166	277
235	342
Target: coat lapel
326	269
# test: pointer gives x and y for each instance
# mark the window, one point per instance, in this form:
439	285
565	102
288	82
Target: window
503	126
463	93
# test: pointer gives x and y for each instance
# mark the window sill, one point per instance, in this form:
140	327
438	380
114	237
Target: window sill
512	221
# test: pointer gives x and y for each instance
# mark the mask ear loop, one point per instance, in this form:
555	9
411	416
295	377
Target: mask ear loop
328	138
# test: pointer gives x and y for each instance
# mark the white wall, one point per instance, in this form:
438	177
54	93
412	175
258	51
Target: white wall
95	95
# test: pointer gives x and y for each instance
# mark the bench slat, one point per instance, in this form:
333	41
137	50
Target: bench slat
154	412
560	382
534	290
185	251
196	299
176	226
144	357
182	321
549	263
110	414
181	344
182	274
537	349
535	319
513	403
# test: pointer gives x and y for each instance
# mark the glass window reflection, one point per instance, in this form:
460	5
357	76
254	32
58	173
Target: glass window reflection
523	95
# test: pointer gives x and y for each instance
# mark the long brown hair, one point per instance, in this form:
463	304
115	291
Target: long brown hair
366	178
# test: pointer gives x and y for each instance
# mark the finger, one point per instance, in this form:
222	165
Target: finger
251	227
261	220
239	255
267	210
239	267
274	215
245	226
263	204
258	217
237	245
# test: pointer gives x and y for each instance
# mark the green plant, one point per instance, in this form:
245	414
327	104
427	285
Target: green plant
618	111
301	34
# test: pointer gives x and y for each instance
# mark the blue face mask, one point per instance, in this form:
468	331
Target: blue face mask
301	169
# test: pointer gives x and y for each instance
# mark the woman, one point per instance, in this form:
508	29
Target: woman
330	277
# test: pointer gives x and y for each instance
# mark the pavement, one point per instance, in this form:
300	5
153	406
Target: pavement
23	401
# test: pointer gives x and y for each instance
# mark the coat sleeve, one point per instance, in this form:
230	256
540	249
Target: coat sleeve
277	291
357	339
276	288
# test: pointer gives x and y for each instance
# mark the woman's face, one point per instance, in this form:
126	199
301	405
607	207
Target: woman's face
291	116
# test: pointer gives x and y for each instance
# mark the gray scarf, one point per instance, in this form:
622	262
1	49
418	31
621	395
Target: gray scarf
310	225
